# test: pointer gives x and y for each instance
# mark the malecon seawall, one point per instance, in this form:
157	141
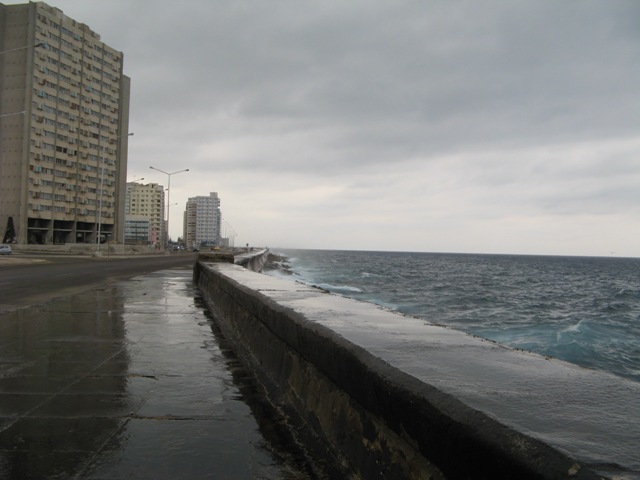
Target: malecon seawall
252	260
387	396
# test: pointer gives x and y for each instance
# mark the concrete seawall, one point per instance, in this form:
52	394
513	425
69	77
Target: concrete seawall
252	260
387	396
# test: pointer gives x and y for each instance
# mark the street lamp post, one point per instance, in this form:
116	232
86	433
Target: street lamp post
101	192
12	114
39	44
168	193
26	47
23	112
10	234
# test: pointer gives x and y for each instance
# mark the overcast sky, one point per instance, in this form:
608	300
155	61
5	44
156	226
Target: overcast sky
444	126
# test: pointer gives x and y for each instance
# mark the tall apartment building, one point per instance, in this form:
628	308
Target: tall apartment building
64	119
146	201
202	220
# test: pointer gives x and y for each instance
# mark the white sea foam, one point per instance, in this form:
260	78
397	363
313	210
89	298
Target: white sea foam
339	288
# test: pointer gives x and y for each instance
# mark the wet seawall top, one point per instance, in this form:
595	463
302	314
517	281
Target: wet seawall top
391	396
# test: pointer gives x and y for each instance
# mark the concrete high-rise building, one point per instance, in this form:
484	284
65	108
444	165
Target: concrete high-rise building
202	220
146	201
64	119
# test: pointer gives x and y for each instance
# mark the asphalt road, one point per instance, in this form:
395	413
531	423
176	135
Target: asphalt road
27	280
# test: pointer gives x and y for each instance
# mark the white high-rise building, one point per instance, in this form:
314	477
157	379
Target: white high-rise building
202	220
64	119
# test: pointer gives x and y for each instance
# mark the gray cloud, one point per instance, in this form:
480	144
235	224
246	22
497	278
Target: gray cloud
332	124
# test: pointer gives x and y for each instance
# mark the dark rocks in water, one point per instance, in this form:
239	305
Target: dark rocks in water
278	263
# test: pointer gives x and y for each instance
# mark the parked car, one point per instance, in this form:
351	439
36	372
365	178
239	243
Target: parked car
5	249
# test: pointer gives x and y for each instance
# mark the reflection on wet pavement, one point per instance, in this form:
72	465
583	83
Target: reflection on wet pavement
132	380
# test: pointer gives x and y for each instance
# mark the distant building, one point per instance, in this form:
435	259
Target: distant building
202	220
64	119
146	201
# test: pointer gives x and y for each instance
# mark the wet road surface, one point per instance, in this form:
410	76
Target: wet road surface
35	279
132	380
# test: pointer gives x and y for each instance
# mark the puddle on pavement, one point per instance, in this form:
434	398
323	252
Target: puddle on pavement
133	380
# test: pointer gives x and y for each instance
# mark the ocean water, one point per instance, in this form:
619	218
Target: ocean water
584	310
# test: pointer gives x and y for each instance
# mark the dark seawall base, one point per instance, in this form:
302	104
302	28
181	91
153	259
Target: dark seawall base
368	419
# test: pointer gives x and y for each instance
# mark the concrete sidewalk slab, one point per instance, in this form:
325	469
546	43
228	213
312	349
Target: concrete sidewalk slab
131	380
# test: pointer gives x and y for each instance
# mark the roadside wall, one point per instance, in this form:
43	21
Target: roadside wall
372	420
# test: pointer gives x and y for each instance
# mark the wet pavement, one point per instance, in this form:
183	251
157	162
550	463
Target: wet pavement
133	380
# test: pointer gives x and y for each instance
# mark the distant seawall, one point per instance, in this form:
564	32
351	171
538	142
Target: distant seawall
330	364
252	259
